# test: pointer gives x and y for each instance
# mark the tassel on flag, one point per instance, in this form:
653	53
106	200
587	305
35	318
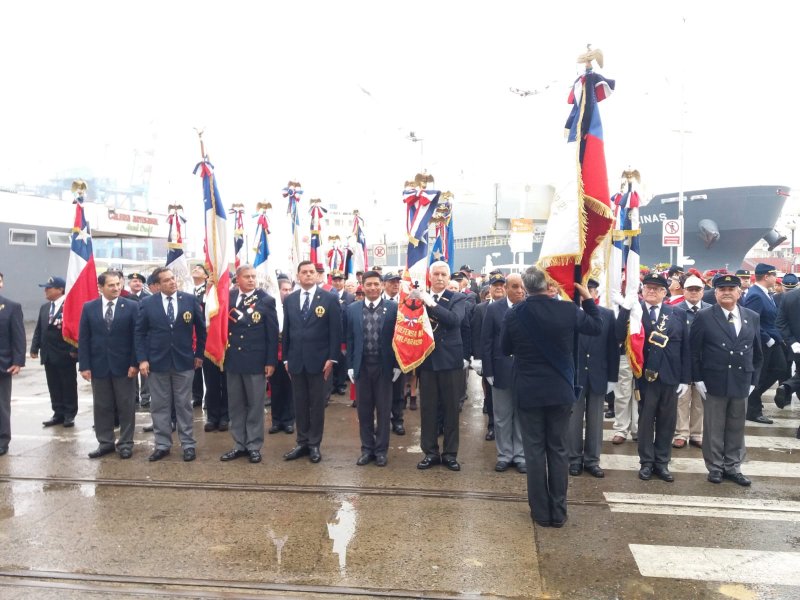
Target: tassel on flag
218	286
444	243
239	250
420	205
567	257
81	273
293	191
316	211
176	259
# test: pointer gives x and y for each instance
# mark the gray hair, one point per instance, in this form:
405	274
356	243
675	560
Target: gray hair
437	264
534	281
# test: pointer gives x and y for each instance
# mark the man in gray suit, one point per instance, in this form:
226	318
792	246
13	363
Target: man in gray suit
726	358
689	426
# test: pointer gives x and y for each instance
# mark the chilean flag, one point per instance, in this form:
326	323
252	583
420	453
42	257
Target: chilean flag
81	275
218	287
579	224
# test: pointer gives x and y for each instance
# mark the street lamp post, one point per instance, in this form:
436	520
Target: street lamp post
792	225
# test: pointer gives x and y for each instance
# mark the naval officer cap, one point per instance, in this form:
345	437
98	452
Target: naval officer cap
655	279
138	276
743	273
392	276
765	269
675	269
54	282
790	281
337	275
726	280
497	278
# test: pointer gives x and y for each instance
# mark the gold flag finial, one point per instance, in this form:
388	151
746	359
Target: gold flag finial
79	187
591	55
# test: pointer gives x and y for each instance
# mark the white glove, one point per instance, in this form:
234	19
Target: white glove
351	375
750	391
630	300
617	297
466	364
427	299
796	347
682	387
701	387
395	374
610	387
770	343
490	379
477	366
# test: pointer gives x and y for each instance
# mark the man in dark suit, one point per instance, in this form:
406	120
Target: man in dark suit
312	336
12	359
372	367
167	320
726	357
497	368
281	402
441	377
138	292
250	358
788	322
598	370
200	283
539	333
689	424
490	293
345	300
759	299
57	356
665	376
107	359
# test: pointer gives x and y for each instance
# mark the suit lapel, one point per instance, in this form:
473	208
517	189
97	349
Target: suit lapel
719	315
316	301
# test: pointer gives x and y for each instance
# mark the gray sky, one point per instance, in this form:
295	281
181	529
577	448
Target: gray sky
326	93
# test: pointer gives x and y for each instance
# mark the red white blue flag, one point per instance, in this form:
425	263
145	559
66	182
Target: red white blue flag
81	272
316	213
218	286
176	259
293	191
358	260
420	204
239	251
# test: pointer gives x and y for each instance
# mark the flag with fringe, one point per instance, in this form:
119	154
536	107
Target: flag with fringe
358	259
443	247
176	259
316	211
413	333
239	250
292	192
420	204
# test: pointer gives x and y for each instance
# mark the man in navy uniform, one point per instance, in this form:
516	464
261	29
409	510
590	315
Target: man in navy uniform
726	357
12	359
665	376
372	367
281	402
107	359
250	358
441	376
164	343
788	322
759	299
598	369
58	357
312	336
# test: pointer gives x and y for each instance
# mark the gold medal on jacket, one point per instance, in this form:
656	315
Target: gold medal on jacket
256	316
320	311
187	317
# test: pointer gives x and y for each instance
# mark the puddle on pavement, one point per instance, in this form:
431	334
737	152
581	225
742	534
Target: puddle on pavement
341	530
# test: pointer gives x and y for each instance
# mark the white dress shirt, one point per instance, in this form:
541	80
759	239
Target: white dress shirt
737	320
174	303
105	306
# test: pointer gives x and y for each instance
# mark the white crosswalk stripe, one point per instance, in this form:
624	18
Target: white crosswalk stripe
750	441
755	468
704	506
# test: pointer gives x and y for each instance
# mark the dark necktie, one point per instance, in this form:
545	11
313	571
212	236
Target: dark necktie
52	311
436	298
694	308
730	321
170	311
109	318
306	305
653	315
372	306
241	302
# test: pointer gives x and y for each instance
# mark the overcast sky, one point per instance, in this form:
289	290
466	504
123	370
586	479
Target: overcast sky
327	92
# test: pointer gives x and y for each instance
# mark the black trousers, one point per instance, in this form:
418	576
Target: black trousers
544	441
216	393
197	385
308	390
440	390
281	403
374	392
488	401
658	413
398	400
62	383
766	378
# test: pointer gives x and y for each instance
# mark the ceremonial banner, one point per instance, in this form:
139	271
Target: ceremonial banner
413	334
176	260
579	224
420	206
316	212
443	247
239	250
359	260
81	272
293	191
218	286
261	249
336	256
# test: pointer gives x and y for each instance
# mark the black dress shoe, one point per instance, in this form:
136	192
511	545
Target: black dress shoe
68	423
354	404
233	455
609	414
761	419
663	474
254	456
224	426
783	396
737	478
559	524
125	453
274	429
209	427
189	455
289	429
645	473
365	459
452	464
3	451
521	467
428	462
399	429
575	470
158	454
53	421
296	452
501	466
380	460
148	428
714	477
313	454
489	437
542	523
797	433
100	451
595	471
197	402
